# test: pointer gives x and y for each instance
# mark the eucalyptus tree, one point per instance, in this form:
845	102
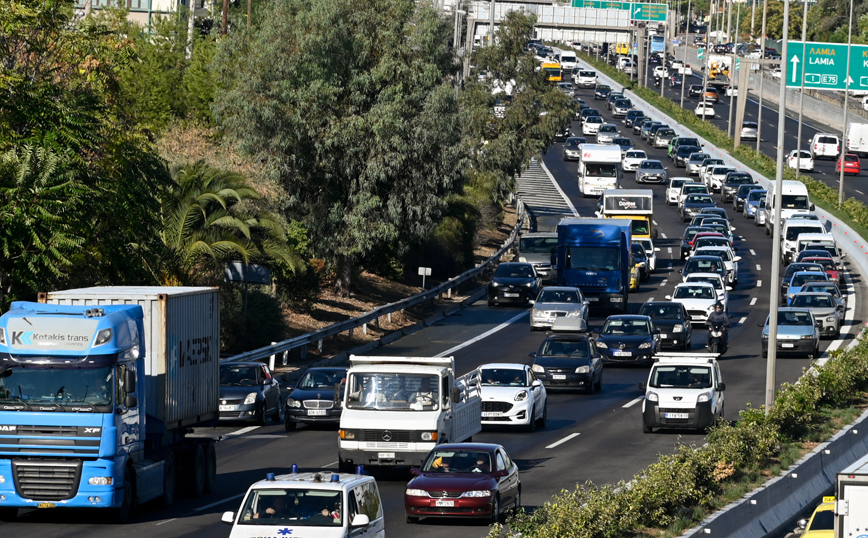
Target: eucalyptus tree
352	104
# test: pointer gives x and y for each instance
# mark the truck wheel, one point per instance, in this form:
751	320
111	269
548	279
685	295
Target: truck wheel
122	513
210	467
8	514
647	429
196	477
168	497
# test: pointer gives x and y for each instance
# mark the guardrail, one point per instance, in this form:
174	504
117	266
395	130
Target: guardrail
302	342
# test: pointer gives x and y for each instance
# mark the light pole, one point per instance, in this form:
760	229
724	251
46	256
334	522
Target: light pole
732	73
801	91
684	62
846	106
759	120
752	20
776	244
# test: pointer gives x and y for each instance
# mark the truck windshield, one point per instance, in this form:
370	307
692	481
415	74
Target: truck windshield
297	507
393	391
793	201
698	377
593	258
66	388
601	169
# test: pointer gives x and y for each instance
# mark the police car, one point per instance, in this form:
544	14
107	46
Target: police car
684	391
313	504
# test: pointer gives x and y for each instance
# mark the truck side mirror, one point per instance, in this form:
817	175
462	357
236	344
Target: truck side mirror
456	394
129	380
721	387
130	401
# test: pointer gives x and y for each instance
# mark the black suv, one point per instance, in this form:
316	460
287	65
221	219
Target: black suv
569	361
672	320
732	182
602	91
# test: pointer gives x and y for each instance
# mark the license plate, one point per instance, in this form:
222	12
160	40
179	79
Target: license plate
623	353
444	503
510	295
46	505
317	412
786	345
663	335
559	376
593	299
676	415
386	455
227	408
696	317
491	413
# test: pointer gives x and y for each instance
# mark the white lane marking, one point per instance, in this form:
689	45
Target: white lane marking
242	431
482	336
742	320
212	505
860	192
664	281
633	402
663	235
847	324
564	440
753	301
759	283
651	299
759	267
654	222
752	252
167	521
669	250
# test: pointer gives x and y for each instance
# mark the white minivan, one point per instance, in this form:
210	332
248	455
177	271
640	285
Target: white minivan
318	504
825	145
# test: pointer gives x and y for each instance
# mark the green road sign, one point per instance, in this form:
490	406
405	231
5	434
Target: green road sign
824	65
737	64
699	53
648	12
601	4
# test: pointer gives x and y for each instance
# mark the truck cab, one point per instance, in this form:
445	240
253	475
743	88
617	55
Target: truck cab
396	409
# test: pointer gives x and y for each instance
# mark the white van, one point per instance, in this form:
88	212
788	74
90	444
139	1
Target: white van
568	60
824	241
825	145
684	391
319	504
790	233
857	138
585	78
794	199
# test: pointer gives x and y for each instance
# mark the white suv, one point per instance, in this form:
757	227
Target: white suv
683	393
825	145
322	503
585	78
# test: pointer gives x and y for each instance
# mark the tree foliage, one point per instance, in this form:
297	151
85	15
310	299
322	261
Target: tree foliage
351	102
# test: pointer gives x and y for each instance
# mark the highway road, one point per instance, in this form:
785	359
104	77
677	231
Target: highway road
588	437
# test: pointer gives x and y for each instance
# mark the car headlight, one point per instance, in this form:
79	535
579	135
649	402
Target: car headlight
704	397
602	344
645	345
347	434
575	314
477	493
291	402
522	259
678	328
428	436
710	309
521	396
250	399
830	319
583	369
765	336
807	337
416	493
528	284
652	397
538	368
494	284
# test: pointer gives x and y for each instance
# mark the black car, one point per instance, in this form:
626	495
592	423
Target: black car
693	204
248	392
588	112
694	90
513	282
719	211
683	153
672	320
562	134
632	117
316	398
602	91
732	182
640	257
639	123
687	238
628	338
569	360
704	264
741	195
623	142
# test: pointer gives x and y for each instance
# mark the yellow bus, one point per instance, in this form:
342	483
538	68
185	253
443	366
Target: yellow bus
552	71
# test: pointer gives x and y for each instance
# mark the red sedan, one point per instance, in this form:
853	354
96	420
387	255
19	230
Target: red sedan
477	480
828	266
851	164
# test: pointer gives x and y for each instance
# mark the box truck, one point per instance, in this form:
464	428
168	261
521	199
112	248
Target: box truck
599	168
634	204
851	492
98	390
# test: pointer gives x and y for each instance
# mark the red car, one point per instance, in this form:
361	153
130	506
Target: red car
477	480
851	164
828	266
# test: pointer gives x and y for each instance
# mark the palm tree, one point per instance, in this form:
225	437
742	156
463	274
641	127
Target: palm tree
210	218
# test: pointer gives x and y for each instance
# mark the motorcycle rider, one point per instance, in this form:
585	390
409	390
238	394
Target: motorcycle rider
719	317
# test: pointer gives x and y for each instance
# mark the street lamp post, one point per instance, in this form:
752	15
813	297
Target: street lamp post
846	106
759	119
801	92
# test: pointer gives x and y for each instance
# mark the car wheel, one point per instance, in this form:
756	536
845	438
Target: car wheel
262	415
531	423
289	425
495	510
412	519
491	303
517	504
278	411
599	385
647	429
541	423
592	387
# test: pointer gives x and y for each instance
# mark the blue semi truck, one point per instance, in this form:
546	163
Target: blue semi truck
594	256
99	388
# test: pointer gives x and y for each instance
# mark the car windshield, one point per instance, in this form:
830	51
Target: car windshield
812	301
703	266
719	252
627	327
499	377
699	199
665	132
572	143
688	189
638	251
458	461
694	292
754	196
514	271
636	155
798	279
794	201
603	88
794	318
698	377
662	311
824	287
713	280
565	348
793	232
318	379
297	507
823	521
711	242
698	157
594	119
539	245
652	165
608	129
677	183
239	376
548	295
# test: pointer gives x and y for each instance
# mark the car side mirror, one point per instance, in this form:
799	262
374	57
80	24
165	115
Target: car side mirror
228	518
760	324
500	474
415	471
737	259
361	520
532	354
721	387
536	383
802	523
643	386
656	249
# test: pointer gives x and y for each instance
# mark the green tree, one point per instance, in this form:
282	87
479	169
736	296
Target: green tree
209	218
352	104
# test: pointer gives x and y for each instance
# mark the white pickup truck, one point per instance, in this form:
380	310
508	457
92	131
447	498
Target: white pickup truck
681	68
396	409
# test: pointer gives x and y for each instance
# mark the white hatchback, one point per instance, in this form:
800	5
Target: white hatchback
698	299
801	160
591	125
632	159
673	189
511	395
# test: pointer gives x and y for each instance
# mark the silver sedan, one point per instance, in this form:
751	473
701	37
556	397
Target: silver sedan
565	304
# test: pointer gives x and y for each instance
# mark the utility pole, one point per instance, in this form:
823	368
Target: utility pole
759	121
801	91
846	106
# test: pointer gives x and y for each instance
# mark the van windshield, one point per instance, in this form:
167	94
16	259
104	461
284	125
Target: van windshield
794	201
392	391
601	170
793	232
301	507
